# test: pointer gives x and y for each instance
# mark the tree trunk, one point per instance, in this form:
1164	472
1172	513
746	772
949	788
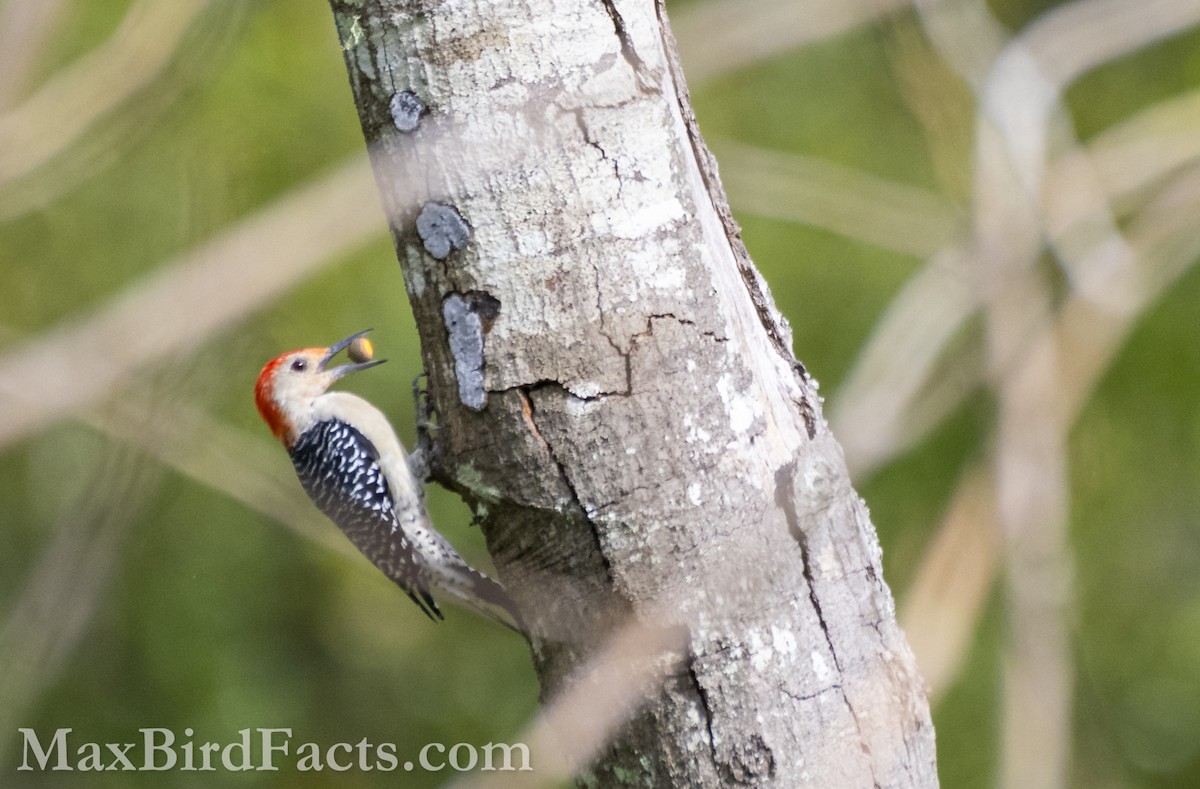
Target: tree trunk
619	400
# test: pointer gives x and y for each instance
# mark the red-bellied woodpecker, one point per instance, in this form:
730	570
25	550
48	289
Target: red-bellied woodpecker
356	471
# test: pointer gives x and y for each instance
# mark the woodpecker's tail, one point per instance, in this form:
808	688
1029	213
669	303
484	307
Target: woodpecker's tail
425	602
481	594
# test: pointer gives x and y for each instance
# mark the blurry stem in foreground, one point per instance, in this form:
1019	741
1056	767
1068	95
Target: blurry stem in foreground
57	601
618	396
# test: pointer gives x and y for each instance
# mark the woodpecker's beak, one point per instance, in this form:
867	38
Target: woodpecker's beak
338	347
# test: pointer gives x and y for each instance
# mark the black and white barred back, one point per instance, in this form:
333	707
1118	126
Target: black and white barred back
339	469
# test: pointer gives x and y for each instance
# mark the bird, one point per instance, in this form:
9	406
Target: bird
356	471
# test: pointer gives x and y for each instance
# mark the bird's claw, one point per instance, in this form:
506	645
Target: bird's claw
419	459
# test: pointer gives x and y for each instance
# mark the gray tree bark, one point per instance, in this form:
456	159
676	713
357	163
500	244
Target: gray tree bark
619	399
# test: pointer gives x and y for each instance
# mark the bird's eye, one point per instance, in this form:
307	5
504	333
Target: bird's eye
300	365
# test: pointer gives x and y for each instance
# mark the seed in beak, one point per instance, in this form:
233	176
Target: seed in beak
361	350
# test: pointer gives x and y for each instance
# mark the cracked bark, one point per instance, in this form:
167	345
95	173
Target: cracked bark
641	439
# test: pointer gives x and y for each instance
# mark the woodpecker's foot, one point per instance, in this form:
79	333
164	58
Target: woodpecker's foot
423	406
418	465
421	456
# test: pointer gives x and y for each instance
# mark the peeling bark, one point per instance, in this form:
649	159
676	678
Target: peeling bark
619	400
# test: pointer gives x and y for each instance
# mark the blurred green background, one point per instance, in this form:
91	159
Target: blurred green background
136	591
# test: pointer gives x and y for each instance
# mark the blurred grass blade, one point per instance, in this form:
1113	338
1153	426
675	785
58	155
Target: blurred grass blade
25	26
55	606
719	36
1074	38
817	192
608	690
189	300
63	109
870	413
941	608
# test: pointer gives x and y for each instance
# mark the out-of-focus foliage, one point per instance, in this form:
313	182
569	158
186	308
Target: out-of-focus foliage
137	590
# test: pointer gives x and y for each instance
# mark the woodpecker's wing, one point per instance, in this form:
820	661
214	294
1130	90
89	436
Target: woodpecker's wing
339	469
